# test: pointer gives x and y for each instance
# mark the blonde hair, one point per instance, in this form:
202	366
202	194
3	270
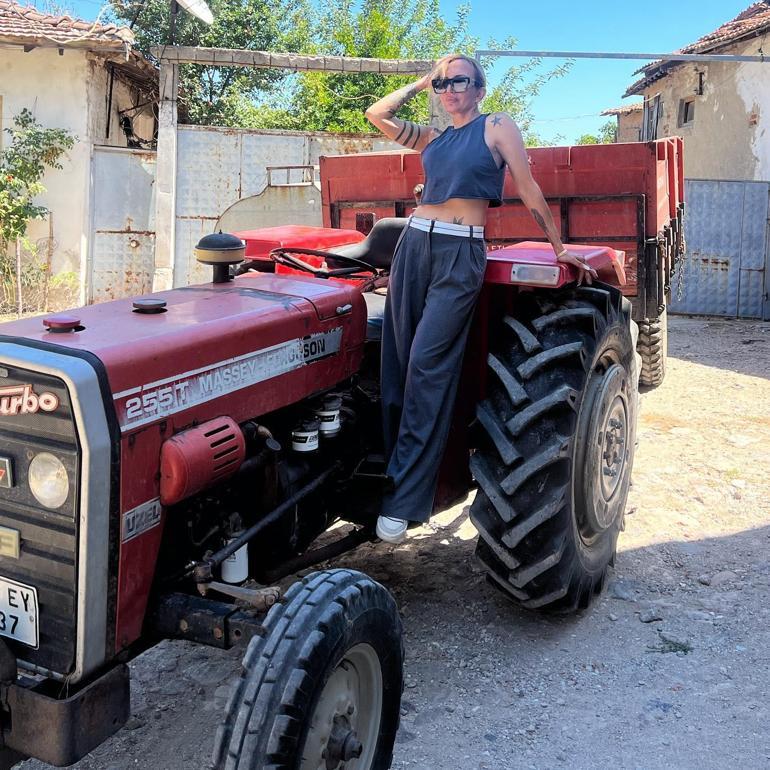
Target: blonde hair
445	61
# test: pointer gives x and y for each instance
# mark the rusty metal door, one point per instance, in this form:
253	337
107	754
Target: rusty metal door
726	270
122	223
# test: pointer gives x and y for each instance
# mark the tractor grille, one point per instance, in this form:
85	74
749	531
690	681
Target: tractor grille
48	538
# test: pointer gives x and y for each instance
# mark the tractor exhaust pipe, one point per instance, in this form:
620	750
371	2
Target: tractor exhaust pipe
220	250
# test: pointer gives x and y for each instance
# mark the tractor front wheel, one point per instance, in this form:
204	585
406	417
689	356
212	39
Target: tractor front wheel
559	430
321	687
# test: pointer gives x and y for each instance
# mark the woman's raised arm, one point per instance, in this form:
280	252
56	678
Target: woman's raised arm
382	114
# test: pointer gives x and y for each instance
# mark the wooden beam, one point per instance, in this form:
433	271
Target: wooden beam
230	57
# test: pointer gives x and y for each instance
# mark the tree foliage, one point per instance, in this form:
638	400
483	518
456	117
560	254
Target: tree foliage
391	29
607	135
22	166
214	95
31	151
318	101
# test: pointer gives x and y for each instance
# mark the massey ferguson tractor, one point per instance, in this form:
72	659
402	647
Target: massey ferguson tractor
167	462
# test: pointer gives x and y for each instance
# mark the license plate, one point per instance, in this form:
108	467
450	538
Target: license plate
18	612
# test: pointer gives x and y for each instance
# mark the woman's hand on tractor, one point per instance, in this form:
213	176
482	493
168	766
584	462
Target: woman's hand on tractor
586	272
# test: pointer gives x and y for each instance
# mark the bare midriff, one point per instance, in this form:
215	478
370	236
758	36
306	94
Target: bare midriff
465	211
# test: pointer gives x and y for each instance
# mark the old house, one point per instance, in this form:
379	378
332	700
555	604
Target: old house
715	104
722	110
87	78
629	117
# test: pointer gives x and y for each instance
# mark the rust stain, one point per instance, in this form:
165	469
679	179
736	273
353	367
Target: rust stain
126	232
715	263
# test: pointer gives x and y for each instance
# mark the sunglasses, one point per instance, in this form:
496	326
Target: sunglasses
456	85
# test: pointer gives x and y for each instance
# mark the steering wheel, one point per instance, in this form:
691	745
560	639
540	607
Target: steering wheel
285	256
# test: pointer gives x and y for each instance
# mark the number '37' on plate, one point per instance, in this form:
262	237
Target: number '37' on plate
18	612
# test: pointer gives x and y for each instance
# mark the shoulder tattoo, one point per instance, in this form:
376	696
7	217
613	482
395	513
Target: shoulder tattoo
497	118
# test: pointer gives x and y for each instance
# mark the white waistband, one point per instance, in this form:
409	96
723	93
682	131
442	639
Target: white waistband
446	228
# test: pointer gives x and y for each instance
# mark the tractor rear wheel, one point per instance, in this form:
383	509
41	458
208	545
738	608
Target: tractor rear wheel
653	348
321	686
554	463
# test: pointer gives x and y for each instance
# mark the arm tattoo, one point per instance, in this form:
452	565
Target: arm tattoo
412	138
496	120
400	101
457	220
538	217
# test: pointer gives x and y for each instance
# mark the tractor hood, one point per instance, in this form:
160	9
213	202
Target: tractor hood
266	340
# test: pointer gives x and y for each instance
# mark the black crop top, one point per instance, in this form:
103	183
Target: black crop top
459	164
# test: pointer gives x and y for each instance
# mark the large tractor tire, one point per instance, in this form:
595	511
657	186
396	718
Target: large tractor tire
653	349
554	463
321	686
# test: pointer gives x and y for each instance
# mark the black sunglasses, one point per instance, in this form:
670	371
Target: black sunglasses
457	85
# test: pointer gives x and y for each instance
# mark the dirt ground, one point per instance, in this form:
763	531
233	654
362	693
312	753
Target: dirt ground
669	668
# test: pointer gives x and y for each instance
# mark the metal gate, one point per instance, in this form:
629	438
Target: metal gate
121	251
726	270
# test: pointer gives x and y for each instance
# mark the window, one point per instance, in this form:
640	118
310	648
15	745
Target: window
653	111
686	112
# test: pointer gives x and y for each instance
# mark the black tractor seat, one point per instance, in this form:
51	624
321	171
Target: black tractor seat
378	247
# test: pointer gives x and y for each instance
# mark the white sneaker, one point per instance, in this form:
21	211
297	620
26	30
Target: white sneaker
391	530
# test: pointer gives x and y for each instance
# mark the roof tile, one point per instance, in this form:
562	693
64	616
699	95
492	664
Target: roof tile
25	24
755	19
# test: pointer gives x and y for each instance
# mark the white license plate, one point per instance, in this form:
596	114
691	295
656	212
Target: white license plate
18	612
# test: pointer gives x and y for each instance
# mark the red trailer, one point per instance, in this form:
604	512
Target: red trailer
626	196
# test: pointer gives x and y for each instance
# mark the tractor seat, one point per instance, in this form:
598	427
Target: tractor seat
378	247
375	312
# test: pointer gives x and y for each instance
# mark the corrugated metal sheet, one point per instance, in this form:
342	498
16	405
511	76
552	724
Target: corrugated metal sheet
218	167
300	203
122	236
726	265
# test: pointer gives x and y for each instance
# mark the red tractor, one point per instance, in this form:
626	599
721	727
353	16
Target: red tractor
166	462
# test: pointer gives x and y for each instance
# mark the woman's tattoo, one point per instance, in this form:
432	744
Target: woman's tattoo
412	137
401	101
457	220
538	217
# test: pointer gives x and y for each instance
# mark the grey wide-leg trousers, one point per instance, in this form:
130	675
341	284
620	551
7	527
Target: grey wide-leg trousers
435	280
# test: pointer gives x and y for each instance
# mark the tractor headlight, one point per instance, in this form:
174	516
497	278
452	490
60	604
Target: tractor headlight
48	480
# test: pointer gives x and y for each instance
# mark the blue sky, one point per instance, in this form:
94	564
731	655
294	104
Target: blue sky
570	106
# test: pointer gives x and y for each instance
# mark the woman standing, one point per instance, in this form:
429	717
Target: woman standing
437	273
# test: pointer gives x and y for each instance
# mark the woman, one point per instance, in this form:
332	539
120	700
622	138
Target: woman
437	273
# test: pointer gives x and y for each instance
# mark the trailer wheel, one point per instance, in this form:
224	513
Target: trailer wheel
653	348
321	686
554	464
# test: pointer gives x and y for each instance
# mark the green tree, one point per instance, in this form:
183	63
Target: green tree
378	29
607	134
217	95
387	29
318	101
22	165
